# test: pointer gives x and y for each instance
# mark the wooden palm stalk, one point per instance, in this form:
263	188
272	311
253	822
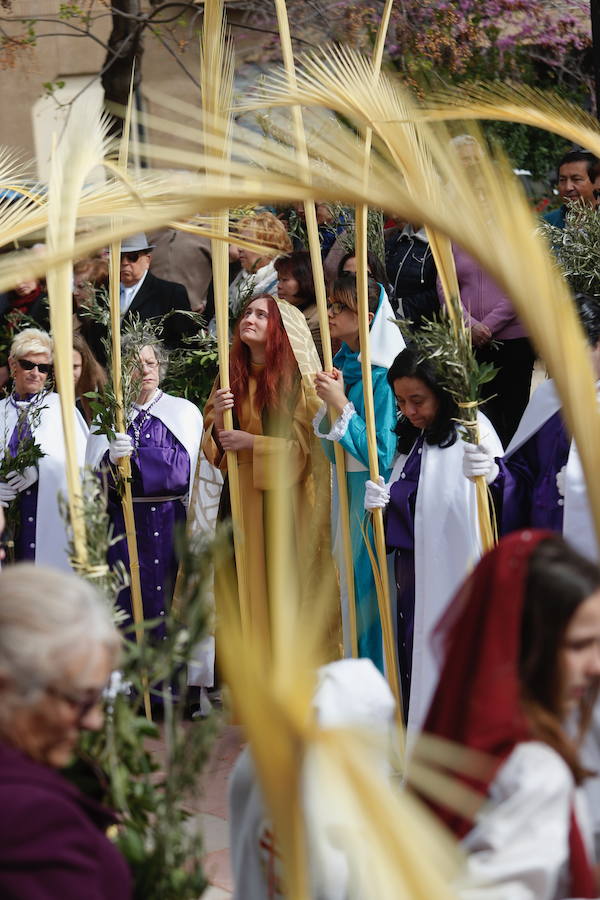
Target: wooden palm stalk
114	275
216	79
320	293
70	166
441	249
380	576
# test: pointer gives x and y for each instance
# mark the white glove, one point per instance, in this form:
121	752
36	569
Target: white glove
560	481
377	496
21	482
7	494
120	446
477	461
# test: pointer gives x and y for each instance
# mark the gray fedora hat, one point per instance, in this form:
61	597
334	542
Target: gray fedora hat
135	242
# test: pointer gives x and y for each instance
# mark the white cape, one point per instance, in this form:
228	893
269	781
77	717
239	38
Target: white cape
50	534
578	527
447	546
181	417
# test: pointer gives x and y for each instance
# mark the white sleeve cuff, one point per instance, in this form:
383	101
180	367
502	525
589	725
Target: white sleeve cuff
340	426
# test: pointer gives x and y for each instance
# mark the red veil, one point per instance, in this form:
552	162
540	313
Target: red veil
477	700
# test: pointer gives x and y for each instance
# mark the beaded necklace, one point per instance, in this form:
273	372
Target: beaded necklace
33	399
137	424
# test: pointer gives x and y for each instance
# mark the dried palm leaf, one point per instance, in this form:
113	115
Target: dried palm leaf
124	465
314	246
516	103
216	80
72	162
379	558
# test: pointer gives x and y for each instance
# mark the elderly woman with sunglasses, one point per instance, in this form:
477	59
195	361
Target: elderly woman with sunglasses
31	413
58	647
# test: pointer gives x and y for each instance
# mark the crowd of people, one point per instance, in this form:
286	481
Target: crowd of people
506	662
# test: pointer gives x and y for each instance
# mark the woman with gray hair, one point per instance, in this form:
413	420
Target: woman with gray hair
32	452
163	440
58	646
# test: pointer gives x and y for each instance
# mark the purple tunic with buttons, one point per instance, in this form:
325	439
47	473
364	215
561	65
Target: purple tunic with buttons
400	537
525	489
27	500
160	468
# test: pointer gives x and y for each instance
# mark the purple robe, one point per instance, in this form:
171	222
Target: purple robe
53	840
160	468
27	500
525	490
400	536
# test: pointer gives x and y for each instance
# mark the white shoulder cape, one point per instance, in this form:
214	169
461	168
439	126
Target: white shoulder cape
51	534
385	338
181	417
518	848
578	527
447	546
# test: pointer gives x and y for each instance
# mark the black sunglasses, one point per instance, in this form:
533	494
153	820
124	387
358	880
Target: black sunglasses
28	366
134	255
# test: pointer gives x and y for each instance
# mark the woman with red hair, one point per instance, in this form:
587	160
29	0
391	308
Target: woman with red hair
521	642
271	434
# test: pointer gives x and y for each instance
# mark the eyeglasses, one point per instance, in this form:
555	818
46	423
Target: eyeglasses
133	255
145	364
82	704
28	366
336	307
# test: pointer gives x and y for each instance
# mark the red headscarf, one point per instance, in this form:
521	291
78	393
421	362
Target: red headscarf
477	702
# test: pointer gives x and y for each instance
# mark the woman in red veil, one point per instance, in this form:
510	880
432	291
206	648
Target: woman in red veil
521	644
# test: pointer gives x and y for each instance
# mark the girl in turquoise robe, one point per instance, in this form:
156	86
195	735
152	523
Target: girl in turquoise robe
342	390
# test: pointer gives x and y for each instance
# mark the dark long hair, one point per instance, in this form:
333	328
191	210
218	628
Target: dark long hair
297	264
279	374
559	580
374	264
92	378
442	432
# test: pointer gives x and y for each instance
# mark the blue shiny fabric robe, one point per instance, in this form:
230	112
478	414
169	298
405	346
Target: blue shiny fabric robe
160	468
354	441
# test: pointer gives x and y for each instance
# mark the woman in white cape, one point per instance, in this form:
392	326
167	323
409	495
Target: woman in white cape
519	655
32	411
163	440
431	520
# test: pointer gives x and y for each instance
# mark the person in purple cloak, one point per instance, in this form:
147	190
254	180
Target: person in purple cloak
163	440
58	647
539	482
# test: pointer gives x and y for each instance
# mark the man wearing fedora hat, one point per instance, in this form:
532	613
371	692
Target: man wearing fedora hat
146	296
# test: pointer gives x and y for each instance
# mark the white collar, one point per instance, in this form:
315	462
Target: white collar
132	290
